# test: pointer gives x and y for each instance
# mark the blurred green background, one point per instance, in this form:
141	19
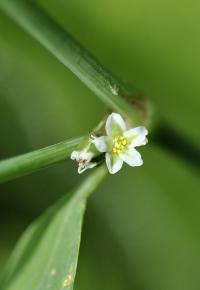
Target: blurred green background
142	226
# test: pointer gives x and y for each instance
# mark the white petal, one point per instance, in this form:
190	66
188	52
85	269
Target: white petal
113	162
75	155
132	157
83	167
136	136
100	143
91	165
115	125
86	156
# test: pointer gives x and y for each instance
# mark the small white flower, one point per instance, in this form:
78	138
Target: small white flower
119	144
83	157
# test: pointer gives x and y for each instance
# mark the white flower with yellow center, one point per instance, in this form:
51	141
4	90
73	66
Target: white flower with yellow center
119	144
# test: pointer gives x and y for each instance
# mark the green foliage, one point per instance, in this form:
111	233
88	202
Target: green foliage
46	255
36	160
73	56
150	220
149	217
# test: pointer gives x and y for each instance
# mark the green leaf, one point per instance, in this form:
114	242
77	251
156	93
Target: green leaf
46	256
68	51
152	215
36	160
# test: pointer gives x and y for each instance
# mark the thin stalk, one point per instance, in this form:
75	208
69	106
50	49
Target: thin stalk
75	57
30	162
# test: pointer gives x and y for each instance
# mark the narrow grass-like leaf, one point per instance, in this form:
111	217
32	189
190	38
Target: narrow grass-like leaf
74	56
46	255
21	165
99	79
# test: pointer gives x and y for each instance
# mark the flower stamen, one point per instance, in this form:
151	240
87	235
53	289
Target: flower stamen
119	144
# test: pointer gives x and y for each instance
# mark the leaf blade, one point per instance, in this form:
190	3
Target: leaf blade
46	255
75	57
36	160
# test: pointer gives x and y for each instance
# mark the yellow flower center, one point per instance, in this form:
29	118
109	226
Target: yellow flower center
119	144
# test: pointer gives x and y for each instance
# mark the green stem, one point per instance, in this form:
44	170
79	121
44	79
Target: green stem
36	160
75	57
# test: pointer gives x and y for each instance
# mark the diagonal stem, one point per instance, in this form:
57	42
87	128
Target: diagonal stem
75	57
98	78
30	162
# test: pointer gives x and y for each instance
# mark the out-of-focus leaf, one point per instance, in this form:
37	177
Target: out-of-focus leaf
152	214
138	42
102	260
46	256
